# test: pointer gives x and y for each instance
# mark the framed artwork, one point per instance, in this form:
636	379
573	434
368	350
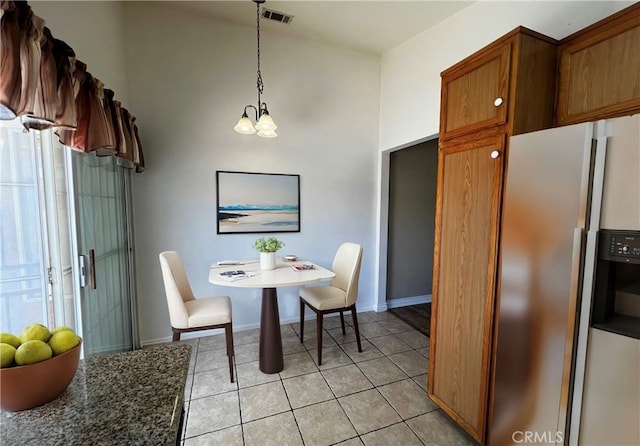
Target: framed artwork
257	202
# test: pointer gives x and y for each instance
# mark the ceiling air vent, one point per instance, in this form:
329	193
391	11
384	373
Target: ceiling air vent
277	16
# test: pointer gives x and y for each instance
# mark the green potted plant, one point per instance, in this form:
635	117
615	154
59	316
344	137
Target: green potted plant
267	248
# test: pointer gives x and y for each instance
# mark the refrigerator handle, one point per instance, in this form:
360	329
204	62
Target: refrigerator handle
576	260
576	269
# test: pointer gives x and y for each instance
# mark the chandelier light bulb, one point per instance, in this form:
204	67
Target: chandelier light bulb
266	123
245	126
267	133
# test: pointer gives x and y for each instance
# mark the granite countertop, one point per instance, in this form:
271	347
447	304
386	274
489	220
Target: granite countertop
125	398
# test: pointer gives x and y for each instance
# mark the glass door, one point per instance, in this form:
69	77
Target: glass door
24	291
103	282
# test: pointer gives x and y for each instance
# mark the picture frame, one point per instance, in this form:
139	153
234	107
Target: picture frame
253	202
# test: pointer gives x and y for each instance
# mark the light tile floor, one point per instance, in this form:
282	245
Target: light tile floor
376	397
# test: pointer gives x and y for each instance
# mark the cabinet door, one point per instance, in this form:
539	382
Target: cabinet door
468	207
600	70
474	93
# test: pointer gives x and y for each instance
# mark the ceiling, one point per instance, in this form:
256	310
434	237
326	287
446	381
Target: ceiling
365	25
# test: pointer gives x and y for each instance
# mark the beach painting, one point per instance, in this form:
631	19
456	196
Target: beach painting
257	202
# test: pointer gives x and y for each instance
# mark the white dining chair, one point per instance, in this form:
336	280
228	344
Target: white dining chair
187	313
339	296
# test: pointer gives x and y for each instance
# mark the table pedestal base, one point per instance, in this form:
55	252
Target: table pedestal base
271	360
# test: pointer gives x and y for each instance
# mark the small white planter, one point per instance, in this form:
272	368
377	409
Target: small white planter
267	260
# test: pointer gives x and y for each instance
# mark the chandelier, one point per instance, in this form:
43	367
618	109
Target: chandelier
264	125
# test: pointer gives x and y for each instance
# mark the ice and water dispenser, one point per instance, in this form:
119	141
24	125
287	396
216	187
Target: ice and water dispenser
616	300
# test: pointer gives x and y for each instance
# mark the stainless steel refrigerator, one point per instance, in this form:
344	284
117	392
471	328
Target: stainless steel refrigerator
552	203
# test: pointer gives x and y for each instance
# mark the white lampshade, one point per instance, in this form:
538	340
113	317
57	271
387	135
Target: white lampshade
245	126
267	133
266	123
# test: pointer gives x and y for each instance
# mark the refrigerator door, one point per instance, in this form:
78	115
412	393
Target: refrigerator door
606	392
545	208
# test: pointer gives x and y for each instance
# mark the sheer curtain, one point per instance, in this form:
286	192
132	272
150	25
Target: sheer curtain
35	258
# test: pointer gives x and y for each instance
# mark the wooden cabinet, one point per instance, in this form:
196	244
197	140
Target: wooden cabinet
470	172
599	69
465	106
519	70
512	82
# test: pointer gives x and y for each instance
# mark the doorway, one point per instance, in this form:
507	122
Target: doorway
408	177
412	200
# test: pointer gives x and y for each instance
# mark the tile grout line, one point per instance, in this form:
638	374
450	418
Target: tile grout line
295	420
239	402
400	422
186	413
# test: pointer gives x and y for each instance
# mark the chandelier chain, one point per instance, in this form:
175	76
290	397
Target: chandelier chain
260	84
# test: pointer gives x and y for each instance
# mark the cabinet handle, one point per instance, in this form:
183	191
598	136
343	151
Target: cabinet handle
497	102
495	154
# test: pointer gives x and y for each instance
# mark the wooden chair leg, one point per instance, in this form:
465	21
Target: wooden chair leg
319	331
355	326
176	336
344	333
228	334
301	320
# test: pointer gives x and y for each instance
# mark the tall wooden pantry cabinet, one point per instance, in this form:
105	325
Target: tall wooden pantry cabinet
505	89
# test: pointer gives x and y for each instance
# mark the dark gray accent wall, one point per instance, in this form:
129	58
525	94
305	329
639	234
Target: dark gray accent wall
412	201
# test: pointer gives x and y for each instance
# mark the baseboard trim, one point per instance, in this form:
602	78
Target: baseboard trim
406	301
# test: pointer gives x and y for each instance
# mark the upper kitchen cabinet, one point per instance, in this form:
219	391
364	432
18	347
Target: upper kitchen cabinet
599	69
511	81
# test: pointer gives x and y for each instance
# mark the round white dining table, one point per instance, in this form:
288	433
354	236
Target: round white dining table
271	358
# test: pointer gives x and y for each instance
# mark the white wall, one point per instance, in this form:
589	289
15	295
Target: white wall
410	76
95	31
190	77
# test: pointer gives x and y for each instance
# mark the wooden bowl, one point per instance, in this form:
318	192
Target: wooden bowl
28	386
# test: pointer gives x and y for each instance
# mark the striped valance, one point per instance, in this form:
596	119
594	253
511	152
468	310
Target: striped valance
45	86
